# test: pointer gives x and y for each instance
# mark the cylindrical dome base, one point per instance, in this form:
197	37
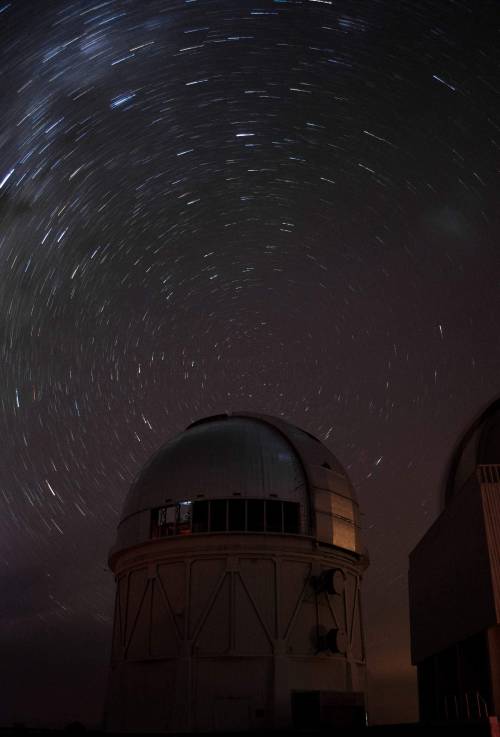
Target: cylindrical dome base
236	632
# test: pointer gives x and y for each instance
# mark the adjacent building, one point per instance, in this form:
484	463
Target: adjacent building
454	583
238	566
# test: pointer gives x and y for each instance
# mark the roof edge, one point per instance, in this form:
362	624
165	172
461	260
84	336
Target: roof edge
452	466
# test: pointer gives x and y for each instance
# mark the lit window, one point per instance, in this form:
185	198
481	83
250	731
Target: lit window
226	515
163	521
184	518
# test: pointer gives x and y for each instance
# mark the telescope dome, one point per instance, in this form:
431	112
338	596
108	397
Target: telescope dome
241	455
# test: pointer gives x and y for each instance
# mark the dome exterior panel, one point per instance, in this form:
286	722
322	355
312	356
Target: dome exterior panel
479	445
330	481
220	459
247	456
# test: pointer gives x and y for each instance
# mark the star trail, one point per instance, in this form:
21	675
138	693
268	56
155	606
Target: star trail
288	207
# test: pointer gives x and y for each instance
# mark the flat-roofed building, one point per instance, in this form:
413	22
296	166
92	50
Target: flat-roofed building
454	582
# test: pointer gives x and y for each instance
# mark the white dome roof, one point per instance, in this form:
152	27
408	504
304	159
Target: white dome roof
237	454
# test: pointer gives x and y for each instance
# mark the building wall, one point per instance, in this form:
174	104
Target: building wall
490	493
455	604
450	583
216	632
494	652
455	684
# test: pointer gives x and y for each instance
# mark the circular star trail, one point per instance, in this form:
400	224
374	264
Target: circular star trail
284	206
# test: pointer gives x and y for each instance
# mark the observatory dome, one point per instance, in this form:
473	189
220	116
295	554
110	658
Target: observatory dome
240	455
479	445
238	567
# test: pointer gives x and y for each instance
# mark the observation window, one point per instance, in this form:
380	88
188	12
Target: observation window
274	516
226	515
200	516
291	518
236	521
172	520
218	515
255	515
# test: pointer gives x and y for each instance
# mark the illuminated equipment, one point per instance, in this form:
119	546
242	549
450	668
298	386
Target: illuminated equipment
238	564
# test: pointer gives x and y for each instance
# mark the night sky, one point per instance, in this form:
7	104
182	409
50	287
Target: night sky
286	206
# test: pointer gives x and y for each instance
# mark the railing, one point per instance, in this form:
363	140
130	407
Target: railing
468	706
488	473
